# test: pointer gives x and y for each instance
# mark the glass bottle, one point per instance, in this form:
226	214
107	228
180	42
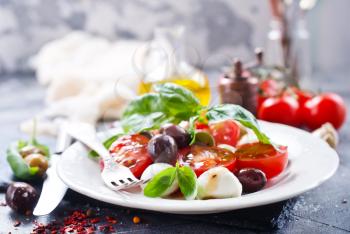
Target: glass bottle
167	49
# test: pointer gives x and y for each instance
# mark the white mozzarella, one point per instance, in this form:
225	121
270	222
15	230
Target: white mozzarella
218	182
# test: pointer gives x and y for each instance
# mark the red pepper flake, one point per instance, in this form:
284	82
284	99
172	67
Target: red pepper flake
111	220
16	223
95	220
78	222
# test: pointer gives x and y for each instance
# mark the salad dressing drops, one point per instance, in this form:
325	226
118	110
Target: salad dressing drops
239	87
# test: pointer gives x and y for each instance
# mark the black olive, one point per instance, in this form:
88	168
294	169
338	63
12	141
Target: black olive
180	135
21	197
252	180
163	149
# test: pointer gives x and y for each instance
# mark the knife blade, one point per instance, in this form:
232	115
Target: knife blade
53	189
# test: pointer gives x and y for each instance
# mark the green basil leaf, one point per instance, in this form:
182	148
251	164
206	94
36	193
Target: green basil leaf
187	180
236	112
160	183
177	99
144	105
107	144
138	122
192	128
171	104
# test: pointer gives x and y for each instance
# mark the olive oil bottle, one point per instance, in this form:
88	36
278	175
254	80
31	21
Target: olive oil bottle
197	83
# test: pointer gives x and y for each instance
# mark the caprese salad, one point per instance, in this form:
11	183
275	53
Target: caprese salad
183	148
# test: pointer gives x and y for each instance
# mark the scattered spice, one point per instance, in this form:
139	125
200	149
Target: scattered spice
16	223
111	220
78	222
136	220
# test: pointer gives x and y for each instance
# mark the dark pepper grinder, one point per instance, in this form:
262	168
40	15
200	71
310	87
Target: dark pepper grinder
239	87
257	67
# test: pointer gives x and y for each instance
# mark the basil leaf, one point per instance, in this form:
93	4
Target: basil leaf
144	105
172	104
160	183
177	99
236	112
192	129
107	144
138	122
187	180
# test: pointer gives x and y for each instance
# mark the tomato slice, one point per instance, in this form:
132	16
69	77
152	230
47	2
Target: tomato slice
201	126
262	156
202	158
225	132
131	151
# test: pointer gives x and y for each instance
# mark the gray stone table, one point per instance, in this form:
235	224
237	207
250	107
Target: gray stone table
325	209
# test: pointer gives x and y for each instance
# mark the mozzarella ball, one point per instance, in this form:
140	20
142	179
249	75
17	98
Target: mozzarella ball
218	182
153	170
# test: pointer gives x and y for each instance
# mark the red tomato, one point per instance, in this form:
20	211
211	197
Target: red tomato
225	132
280	110
267	88
202	158
201	126
327	107
262	156
303	96
131	151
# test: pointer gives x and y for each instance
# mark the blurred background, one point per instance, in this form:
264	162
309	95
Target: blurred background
216	31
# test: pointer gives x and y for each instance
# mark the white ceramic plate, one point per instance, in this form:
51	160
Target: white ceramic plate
311	162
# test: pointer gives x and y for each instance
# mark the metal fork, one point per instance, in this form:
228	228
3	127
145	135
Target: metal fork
114	175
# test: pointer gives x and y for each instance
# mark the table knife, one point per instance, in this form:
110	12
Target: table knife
53	188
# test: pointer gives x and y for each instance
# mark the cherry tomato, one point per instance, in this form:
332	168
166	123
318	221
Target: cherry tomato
282	109
202	158
327	107
201	126
262	156
303	96
225	132
131	151
267	88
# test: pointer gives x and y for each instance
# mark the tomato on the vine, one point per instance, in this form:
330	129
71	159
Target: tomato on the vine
267	88
202	158
131	151
282	109
327	107
262	156
225	132
302	95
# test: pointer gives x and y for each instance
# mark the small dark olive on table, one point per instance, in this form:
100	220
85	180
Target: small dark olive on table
21	197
